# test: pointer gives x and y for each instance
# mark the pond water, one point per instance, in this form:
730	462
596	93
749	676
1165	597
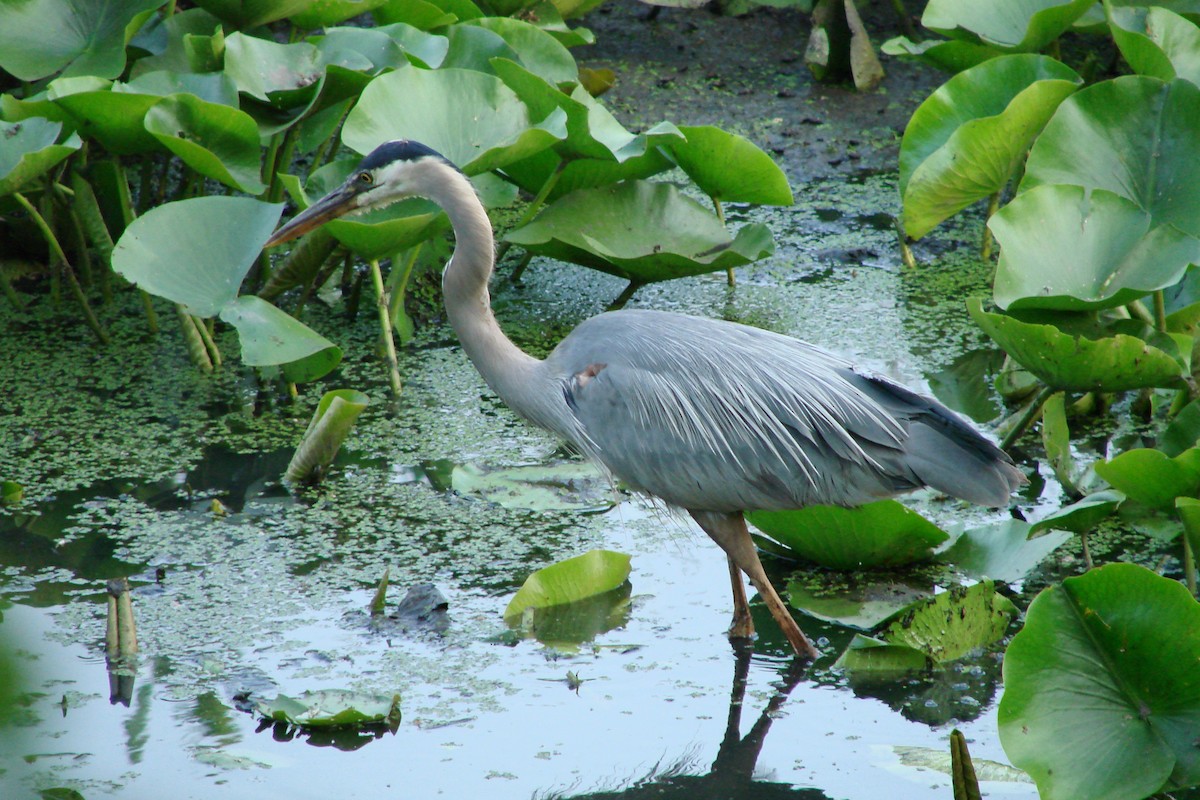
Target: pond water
124	450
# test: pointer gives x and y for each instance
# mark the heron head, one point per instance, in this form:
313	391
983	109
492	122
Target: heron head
391	172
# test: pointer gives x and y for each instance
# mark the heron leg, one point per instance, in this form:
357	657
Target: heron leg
742	626
729	531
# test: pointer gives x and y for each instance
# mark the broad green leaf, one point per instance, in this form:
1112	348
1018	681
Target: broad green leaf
1188	509
77	37
323	13
215	87
1069	248
350	45
547	17
422	48
564	627
730	168
880	534
577	485
271	337
331	708
28	151
1132	136
115	120
867	654
331	423
376	234
952	55
1157	42
570	9
965	141
193	37
593	573
1021	25
471	118
640	231
244	14
1001	551
282	74
1151	477
217	141
196	252
1075	362
424	15
1183	432
1056	439
536	50
953	623
1101	696
1081	516
855	599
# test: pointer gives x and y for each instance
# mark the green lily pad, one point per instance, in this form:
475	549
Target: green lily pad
593	573
28	150
376	234
1075	362
324	13
282	74
41	37
243	14
471	118
348	46
640	231
565	627
193	39
1151	477
115	120
578	485
1081	516
1132	136
217	141
332	708
271	337
1157	42
855	599
420	47
954	623
1002	551
949	55
965	141
885	533
867	654
171	250
331	423
1183	432
1056	439
1101	696
1116	254
729	167
1020	25
536	50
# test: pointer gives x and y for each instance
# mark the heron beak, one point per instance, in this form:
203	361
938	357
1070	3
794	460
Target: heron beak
333	205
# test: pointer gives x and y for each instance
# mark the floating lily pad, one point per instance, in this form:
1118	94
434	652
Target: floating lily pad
867	654
881	534
271	337
640	231
1153	478
1075	362
578	485
471	118
1101	698
564	627
1002	551
332	708
965	141
1083	515
1132	136
855	599
593	573
953	623
1115	252
330	425
41	37
28	151
1021	25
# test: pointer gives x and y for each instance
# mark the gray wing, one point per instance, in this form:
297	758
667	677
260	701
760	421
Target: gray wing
716	416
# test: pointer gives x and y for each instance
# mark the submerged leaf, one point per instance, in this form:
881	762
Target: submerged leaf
861	600
880	534
875	655
332	708
1101	695
595	572
578	485
954	623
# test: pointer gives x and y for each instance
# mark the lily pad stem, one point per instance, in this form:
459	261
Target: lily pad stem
906	254
1189	564
624	296
192	341
906	24
1137	310
210	344
531	210
1160	311
519	269
57	253
385	326
730	278
1027	418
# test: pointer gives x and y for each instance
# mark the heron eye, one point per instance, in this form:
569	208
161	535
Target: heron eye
365	178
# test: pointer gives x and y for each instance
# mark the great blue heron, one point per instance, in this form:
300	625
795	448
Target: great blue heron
709	416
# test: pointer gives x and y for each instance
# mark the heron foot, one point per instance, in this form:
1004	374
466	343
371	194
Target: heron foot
742	626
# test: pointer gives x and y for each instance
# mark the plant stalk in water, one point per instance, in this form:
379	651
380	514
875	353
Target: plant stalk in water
385	328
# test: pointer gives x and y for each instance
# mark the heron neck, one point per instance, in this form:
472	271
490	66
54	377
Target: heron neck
503	365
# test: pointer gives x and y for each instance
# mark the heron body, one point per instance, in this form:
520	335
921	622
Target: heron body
709	416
